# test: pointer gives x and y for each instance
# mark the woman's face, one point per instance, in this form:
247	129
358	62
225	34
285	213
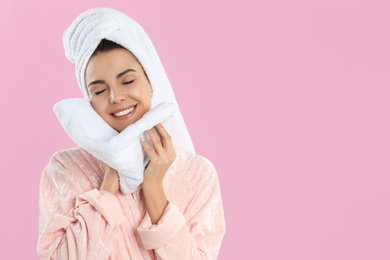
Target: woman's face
116	83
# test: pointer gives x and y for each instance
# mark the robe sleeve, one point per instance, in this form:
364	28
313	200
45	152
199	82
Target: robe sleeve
196	234
74	224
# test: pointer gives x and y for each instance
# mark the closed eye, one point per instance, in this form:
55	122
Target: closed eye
97	93
128	82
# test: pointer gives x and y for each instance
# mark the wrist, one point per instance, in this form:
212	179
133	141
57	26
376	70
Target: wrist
155	200
154	192
112	191
110	182
152	184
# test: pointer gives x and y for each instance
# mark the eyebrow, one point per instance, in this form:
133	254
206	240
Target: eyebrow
117	77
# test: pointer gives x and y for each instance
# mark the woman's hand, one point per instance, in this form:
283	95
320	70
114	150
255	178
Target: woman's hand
160	161
111	178
161	158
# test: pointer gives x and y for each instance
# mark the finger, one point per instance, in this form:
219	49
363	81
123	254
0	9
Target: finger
167	142
152	154
156	142
165	136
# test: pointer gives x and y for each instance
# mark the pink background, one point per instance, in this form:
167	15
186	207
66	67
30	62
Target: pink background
290	100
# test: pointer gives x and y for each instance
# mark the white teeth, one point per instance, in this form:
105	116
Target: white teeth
124	112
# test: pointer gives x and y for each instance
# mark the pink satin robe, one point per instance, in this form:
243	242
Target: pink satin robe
79	221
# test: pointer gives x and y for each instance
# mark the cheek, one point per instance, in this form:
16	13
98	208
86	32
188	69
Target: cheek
137	92
98	108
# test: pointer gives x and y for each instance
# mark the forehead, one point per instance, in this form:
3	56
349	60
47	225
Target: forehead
112	61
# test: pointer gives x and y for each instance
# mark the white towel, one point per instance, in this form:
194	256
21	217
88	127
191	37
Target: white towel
122	151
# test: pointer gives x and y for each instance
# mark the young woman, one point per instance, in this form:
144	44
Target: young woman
177	214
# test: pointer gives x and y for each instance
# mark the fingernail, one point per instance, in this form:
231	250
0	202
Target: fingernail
143	140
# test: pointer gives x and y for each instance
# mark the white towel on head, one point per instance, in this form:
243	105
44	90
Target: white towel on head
122	151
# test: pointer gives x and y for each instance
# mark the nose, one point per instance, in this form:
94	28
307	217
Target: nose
116	95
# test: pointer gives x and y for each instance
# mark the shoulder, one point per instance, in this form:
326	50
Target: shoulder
192	177
193	166
68	174
192	158
70	157
70	164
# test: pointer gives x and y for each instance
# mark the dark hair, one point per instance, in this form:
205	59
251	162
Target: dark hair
106	45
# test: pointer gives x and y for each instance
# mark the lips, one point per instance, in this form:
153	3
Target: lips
122	109
126	116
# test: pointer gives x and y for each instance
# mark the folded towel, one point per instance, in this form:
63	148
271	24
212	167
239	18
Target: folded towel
122	151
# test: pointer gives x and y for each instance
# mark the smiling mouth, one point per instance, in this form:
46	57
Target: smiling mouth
125	114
